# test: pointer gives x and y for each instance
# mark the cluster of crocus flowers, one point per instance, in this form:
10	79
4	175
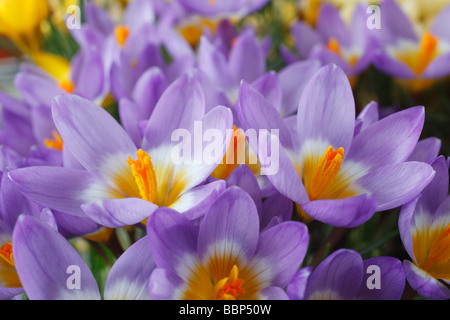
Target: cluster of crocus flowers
168	149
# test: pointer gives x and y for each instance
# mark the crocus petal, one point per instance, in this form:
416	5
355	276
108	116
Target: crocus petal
269	85
173	239
246	60
226	233
185	92
9	293
98	19
326	110
347	212
424	283
45	262
116	213
426	150
130	274
368	116
330	24
339	276
293	85
404	225
139	13
164	285
273	293
194	203
436	191
392	279
305	38
90	81
89	131
394	185
275	205
438	67
129	116
396	24
297	286
391	66
244	178
390	140
440	23
285	254
58	188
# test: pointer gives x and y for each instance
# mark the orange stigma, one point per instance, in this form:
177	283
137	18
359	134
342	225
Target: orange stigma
229	288
324	172
427	52
144	175
439	252
55	143
121	33
333	45
67	86
7	254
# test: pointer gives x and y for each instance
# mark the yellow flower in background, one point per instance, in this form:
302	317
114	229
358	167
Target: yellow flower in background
20	19
55	65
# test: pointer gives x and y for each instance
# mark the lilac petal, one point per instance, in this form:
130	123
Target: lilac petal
163	285
13	105
89	131
148	90
194	203
297	286
326	109
247	59
436	192
441	215
394	185
244	178
330	24
339	276
180	105
305	38
284	247
9	293
391	66
396	24
213	62
390	140
269	86
368	116
438	67
392	280
43	260
73	226
129	117
58	188
115	213
90	81
16	132
273	293
130	274
426	150
98	19
276	205
139	13
173	239
256	113
424	283
328	57
48	218
120	80
404	225
282	174
347	212
226	232
293	81
439	27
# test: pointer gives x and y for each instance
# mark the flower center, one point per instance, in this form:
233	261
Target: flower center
67	86
324	172
55	143
333	45
144	176
121	33
7	254
439	251
229	288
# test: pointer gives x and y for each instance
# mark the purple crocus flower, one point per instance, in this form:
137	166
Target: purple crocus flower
351	47
344	275
226	257
323	167
222	8
424	225
406	55
10	285
115	190
48	265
